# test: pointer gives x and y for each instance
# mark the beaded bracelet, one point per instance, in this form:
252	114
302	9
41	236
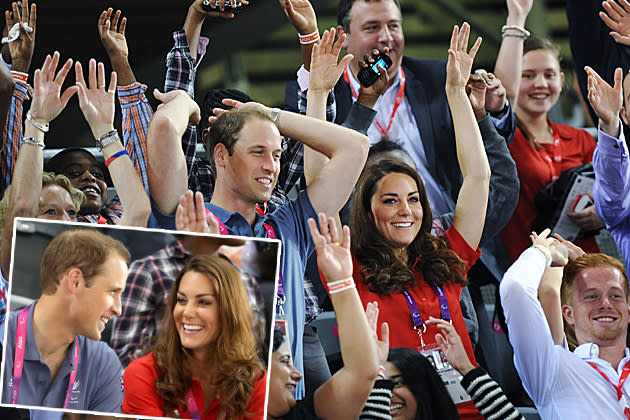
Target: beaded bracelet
31	140
522	32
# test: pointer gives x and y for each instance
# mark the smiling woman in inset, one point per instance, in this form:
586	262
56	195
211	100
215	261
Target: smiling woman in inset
204	364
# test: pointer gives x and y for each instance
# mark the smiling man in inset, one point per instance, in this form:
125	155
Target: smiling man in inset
53	358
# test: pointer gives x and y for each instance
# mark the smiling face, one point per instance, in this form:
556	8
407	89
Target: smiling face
101	300
252	169
283	377
541	82
196	312
56	204
86	175
396	208
375	25
404	404
599	306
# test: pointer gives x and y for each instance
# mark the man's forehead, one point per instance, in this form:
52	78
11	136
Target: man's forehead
362	11
259	133
604	276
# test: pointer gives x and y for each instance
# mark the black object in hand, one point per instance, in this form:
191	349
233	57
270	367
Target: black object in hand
369	75
205	5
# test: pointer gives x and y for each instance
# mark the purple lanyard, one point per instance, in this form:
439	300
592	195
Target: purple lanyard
192	406
271	234
416	318
18	363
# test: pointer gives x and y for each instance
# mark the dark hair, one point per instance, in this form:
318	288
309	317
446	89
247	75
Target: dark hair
226	128
237	366
279	337
343	12
433	400
213	100
53	163
85	249
384	146
382	270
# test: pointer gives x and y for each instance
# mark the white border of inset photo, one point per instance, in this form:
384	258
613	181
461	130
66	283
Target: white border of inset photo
31	237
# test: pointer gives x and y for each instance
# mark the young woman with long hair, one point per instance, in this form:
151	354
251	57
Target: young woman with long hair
204	364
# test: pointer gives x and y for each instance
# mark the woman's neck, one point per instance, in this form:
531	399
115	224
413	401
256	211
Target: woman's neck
536	125
401	253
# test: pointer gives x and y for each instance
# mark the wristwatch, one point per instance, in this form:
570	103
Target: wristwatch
107	139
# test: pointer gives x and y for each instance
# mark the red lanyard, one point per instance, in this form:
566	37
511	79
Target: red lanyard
619	387
399	98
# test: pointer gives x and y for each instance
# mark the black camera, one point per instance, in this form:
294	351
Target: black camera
205	5
369	75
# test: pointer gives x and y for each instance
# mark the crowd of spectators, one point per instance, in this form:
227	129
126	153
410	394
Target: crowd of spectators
435	167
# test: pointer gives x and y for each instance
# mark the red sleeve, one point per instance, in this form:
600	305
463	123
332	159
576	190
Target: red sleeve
256	402
458	244
140	396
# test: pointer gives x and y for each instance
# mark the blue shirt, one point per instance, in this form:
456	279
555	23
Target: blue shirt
611	191
98	383
289	222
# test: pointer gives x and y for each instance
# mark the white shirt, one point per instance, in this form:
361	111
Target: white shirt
561	384
404	131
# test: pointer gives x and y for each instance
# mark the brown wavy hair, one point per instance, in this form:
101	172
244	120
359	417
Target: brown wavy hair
237	367
383	271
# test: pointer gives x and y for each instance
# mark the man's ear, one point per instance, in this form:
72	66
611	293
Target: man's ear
624	115
567	312
72	280
341	31
220	155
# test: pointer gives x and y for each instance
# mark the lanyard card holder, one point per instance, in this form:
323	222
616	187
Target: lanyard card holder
450	377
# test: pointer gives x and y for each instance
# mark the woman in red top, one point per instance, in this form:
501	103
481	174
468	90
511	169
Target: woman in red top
541	149
204	365
396	259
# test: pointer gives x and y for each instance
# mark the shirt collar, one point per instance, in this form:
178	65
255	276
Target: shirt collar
588	351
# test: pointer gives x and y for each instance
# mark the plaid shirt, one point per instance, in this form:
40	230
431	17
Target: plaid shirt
13	132
144	301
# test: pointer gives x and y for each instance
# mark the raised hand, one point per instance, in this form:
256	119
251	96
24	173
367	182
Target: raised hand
559	252
574	251
112	34
617	18
382	345
476	88
182	97
191	215
518	10
459	59
495	92
605	100
96	101
368	96
21	49
218	11
333	258
325	71
238	105
301	14
451	345
48	101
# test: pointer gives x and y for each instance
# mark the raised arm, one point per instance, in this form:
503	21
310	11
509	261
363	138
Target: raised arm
21	52
510	58
26	189
168	177
113	38
303	18
344	394
472	201
97	105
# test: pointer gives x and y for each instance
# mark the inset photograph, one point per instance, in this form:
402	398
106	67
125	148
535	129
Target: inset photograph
143	322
